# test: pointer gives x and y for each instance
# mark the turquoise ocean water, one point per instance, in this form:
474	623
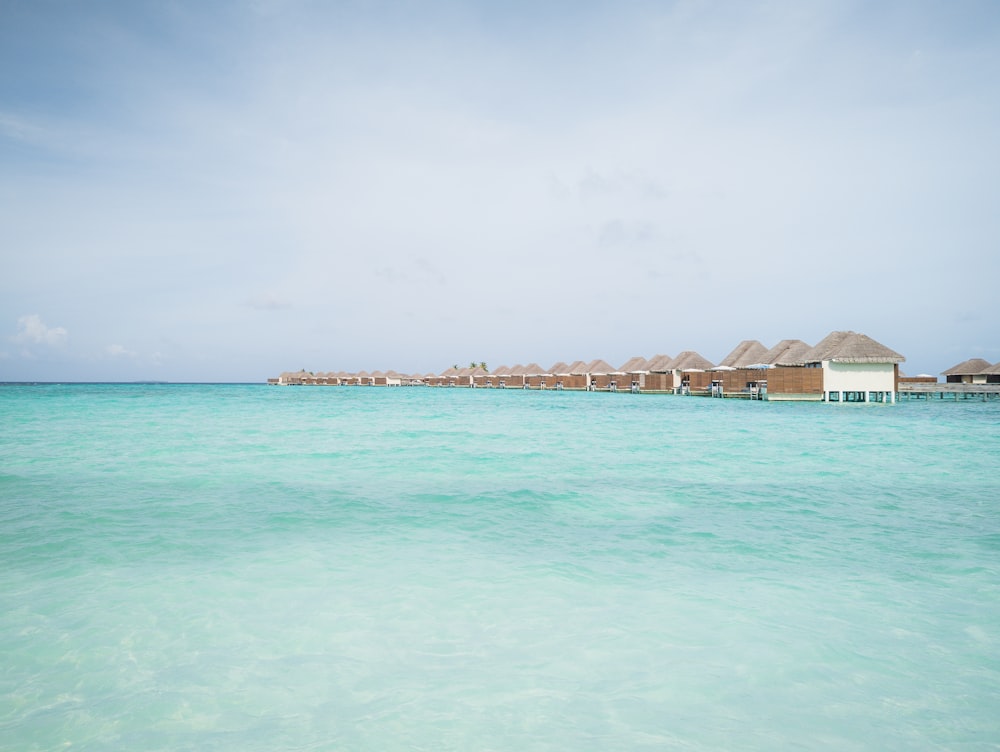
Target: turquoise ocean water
329	568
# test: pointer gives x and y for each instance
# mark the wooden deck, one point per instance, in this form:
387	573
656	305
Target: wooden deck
981	392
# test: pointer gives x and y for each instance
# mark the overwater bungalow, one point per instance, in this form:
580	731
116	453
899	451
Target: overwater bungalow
536	377
603	376
575	376
659	377
843	367
685	367
556	375
515	377
500	377
972	371
635	370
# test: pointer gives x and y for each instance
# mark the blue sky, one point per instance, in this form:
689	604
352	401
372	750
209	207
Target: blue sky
220	191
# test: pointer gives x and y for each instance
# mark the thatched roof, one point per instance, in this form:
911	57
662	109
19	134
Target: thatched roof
994	369
600	366
851	347
578	366
501	371
517	370
533	369
634	365
559	368
659	364
788	352
689	360
971	367
747	353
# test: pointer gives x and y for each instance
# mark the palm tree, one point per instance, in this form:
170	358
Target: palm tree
483	366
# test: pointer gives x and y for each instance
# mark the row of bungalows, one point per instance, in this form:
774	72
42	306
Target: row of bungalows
659	374
343	378
843	367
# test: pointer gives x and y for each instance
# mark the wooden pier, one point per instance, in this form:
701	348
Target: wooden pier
980	392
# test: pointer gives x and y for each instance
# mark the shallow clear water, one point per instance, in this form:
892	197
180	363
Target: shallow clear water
251	567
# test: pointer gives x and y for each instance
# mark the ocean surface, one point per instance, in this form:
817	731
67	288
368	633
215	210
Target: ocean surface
243	567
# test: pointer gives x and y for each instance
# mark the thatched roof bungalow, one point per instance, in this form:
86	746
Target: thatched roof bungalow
536	377
659	377
603	375
855	368
567	376
972	371
515	377
500	376
635	369
686	363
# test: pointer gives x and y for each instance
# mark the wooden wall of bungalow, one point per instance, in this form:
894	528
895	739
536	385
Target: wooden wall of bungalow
603	381
658	382
514	380
742	380
574	381
781	381
539	381
699	381
785	381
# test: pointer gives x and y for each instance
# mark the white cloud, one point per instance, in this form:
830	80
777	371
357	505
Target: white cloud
118	350
31	329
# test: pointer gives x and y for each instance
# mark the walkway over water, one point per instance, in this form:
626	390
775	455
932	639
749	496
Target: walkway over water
981	392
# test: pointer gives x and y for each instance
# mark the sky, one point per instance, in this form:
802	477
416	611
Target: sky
221	191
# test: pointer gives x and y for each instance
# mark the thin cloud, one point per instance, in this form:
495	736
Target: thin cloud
32	330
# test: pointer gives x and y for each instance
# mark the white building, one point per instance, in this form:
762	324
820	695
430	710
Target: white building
856	368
